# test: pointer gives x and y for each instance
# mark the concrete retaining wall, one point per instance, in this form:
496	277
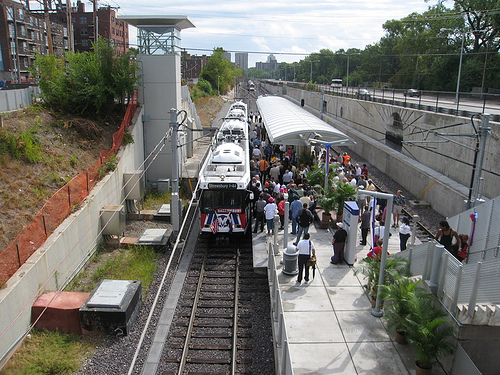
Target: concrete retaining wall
11	100
67	249
416	169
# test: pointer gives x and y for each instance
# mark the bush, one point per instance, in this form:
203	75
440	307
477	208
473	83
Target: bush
25	146
86	83
204	86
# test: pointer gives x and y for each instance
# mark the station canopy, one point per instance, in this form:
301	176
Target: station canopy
289	124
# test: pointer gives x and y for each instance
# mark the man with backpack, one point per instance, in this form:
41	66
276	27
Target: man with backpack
295	211
304	219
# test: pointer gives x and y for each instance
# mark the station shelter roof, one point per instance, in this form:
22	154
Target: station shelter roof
289	124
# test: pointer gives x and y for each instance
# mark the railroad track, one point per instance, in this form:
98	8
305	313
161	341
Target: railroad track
212	333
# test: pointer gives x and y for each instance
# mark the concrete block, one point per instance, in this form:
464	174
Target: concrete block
59	311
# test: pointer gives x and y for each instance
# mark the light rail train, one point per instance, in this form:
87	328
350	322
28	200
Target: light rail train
225	176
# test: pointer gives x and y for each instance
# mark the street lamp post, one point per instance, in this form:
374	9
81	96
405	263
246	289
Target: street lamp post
460	69
218	91
312	61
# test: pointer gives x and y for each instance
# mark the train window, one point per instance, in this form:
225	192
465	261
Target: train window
232	199
207	202
211	200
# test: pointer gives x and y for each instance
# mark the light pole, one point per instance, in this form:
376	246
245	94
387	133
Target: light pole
218	91
460	69
312	61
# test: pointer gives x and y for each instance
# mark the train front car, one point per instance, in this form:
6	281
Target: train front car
225	177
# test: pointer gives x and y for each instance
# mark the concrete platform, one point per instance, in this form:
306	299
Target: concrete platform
328	322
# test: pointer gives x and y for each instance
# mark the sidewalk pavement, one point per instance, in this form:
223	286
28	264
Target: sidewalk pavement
328	320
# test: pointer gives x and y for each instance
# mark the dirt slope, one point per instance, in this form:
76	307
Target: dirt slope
69	147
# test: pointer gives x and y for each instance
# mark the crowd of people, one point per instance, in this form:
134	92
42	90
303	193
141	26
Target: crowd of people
277	176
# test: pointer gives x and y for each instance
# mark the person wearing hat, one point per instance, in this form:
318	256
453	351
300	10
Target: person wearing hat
269	212
338	242
404	233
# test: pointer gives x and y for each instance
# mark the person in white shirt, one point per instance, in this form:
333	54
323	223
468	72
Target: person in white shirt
306	250
404	233
269	211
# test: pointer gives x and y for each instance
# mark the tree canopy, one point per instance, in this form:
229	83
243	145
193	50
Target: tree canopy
219	72
418	51
86	83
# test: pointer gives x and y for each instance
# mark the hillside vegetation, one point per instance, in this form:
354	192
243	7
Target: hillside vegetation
49	151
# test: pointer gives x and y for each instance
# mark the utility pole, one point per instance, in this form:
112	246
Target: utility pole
95	18
48	29
175	202
70	26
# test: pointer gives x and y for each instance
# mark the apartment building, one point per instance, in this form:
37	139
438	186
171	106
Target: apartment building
192	65
23	34
108	26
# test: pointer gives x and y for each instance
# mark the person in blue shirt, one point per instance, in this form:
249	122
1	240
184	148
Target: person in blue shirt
295	210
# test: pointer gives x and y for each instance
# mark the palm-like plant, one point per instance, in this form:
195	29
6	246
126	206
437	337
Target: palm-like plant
399	294
341	193
370	268
428	331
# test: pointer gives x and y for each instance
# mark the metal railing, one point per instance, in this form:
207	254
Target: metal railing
283	359
468	104
457	283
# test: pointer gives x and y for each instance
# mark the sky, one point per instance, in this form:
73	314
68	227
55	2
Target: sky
290	29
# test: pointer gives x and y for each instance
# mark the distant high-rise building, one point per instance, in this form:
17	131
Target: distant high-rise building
227	55
271	63
241	60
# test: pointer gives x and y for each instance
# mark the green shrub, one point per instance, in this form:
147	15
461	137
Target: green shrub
205	86
25	146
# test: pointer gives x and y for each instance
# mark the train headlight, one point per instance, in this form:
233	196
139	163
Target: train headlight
222	177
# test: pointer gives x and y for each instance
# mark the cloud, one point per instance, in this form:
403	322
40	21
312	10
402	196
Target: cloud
292	26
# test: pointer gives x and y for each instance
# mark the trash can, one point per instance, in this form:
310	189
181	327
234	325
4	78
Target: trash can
290	257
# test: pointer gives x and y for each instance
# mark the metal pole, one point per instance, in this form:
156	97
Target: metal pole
285	230
322	103
311	79
327	166
436	263
347	80
174	205
473	294
483	134
460	69
390	198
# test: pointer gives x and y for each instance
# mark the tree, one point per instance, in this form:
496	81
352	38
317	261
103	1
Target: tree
219	71
87	83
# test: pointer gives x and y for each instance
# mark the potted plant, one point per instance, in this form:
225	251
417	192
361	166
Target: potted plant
328	203
316	175
429	332
370	269
341	193
398	308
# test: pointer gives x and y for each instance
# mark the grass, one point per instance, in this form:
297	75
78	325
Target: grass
155	199
135	263
49	352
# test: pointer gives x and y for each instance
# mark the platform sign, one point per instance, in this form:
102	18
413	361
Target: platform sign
351	216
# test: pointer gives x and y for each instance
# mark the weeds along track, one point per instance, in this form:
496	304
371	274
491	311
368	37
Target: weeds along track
213	331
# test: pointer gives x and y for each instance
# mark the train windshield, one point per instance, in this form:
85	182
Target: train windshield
217	201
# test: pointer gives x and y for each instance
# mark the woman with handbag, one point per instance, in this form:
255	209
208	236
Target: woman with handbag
306	250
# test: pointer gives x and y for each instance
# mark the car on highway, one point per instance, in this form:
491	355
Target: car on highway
412	93
362	94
